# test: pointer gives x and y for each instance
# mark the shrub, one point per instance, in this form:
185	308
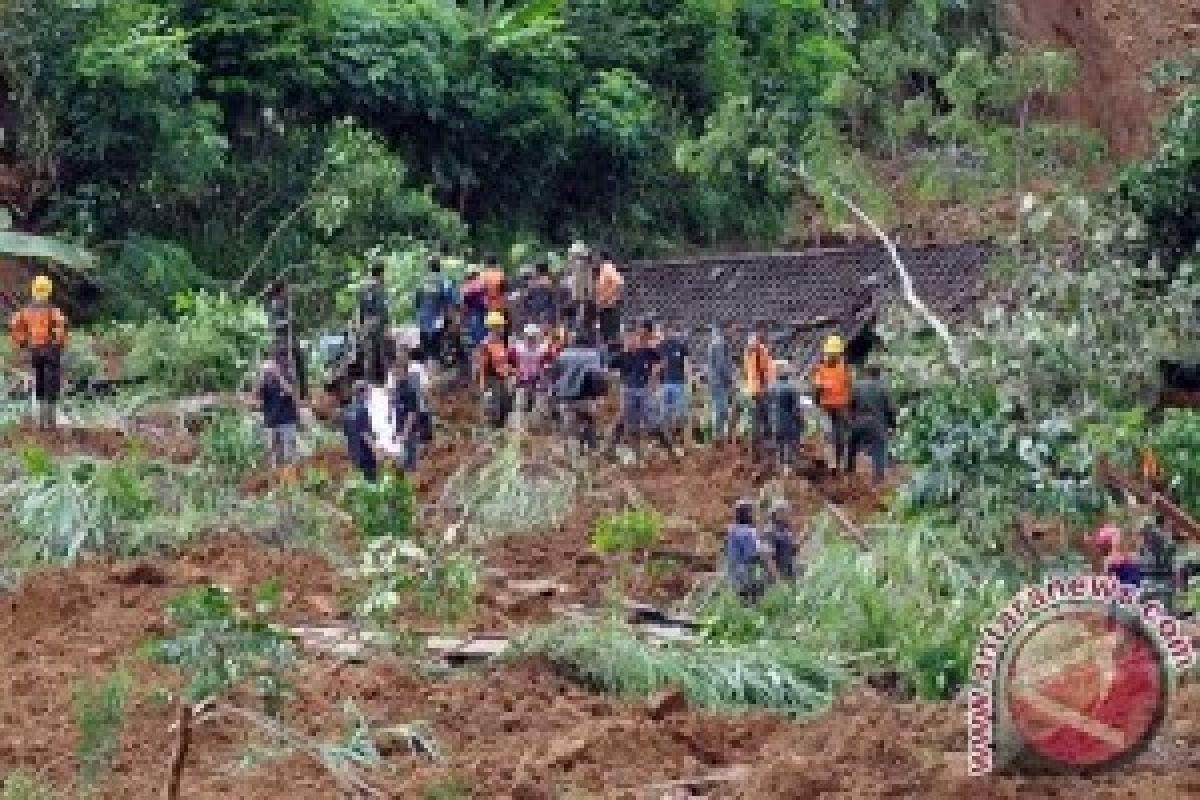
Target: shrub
635	530
219	645
381	509
100	716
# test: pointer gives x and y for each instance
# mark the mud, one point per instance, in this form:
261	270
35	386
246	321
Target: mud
98	443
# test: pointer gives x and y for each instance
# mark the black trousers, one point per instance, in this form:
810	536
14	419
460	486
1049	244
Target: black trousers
47	373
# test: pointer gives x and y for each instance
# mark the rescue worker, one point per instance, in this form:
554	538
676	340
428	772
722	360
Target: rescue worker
610	288
373	318
495	371
474	308
638	365
743	554
404	409
433	303
759	371
41	328
282	322
359	432
871	420
530	355
495	292
722	380
782	541
277	402
831	383
787	421
676	372
541	304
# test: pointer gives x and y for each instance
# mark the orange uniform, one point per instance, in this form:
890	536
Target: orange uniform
759	367
832	381
493	289
37	326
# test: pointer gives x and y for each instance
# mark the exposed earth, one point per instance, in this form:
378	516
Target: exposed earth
515	730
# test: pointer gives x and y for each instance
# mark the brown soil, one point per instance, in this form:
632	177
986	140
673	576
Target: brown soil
1116	43
100	443
519	731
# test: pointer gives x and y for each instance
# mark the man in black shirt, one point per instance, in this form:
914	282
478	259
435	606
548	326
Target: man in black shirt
360	436
277	401
638	364
676	369
405	409
373	323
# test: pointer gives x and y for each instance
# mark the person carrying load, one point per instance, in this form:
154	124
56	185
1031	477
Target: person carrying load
41	329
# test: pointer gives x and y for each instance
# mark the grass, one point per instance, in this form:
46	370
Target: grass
100	717
609	657
20	785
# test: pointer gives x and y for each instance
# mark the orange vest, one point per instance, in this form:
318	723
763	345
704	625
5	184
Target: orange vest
38	326
833	383
494	360
493	289
760	369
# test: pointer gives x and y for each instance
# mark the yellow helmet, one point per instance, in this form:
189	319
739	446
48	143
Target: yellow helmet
42	287
494	319
834	346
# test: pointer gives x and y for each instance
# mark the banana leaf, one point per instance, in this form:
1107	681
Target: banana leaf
27	245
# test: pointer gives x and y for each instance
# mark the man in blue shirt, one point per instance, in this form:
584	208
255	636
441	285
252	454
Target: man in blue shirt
743	554
432	302
722	380
360	435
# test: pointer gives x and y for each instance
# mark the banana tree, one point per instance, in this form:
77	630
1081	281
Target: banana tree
27	245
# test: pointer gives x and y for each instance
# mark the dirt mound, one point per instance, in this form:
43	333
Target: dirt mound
871	747
177	448
1116	42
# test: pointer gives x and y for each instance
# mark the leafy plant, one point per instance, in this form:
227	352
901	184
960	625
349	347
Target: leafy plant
383	509
609	657
1175	443
22	786
220	646
394	571
232	442
634	530
100	717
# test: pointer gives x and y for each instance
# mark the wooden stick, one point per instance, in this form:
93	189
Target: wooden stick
183	741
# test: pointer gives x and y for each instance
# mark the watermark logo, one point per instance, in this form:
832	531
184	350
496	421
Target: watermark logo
1076	674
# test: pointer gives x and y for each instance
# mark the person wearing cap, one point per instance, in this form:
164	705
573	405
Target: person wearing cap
638	365
759	370
610	287
676	372
782	541
494	370
359	432
41	329
373	319
786	416
743	554
831	384
872	417
722	380
530	355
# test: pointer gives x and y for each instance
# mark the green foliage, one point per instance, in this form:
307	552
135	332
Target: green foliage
220	646
211	345
22	786
440	580
1175	443
635	530
913	605
100	717
1164	190
232	443
383	509
610	657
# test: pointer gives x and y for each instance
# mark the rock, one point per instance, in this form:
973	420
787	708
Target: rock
564	752
667	702
140	575
322	604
